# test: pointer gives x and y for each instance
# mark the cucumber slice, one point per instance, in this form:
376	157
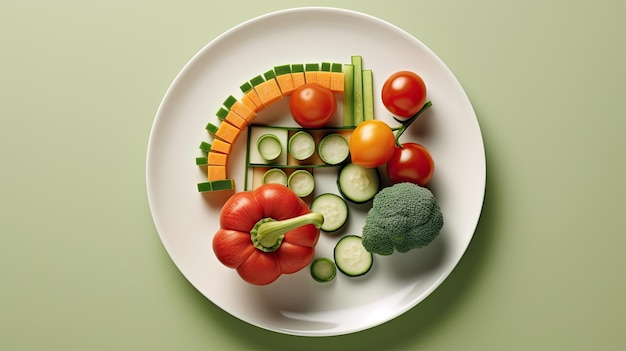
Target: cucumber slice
357	183
301	182
269	147
275	176
351	257
333	149
301	145
323	270
334	209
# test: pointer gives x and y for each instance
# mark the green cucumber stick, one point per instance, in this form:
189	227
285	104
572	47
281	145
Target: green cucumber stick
202	161
357	62
348	95
224	184
368	95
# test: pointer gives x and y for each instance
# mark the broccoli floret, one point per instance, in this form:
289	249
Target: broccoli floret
403	217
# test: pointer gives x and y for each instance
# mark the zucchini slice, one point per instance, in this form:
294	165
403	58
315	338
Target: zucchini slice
301	145
351	257
323	270
301	182
333	149
334	209
275	175
357	183
269	147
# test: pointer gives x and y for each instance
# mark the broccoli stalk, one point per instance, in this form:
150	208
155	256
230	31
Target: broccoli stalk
403	217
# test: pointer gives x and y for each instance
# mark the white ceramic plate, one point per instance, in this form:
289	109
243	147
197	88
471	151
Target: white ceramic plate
296	304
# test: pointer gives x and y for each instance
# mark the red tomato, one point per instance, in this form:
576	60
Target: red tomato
410	163
371	144
403	94
312	105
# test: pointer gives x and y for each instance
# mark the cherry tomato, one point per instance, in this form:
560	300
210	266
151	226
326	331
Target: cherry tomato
372	143
403	94
411	163
312	105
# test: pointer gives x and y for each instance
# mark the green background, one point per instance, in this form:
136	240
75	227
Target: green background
81	264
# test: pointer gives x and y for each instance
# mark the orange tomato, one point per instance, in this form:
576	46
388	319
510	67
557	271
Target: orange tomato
372	143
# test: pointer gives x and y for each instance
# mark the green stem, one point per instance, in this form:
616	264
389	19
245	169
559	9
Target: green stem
268	234
408	122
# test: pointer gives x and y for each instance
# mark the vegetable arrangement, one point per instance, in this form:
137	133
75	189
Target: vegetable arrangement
272	227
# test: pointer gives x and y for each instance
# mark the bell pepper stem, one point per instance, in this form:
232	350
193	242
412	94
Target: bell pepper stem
409	121
268	234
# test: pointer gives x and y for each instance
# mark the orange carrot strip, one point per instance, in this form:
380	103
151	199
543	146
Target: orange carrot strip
298	79
236	120
297	75
310	77
337	79
268	91
251	95
323	79
247	100
285	83
232	104
216	172
336	82
221	146
228	132
310	72
217	158
243	111
284	79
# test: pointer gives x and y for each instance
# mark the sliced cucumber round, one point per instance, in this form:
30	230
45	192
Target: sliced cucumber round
357	183
333	149
301	145
323	270
275	175
269	147
351	258
301	182
334	209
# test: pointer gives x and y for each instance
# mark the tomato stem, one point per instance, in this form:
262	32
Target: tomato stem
268	233
408	122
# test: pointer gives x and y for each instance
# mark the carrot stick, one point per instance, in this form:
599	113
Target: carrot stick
284	79
268	90
297	75
221	146
310	72
228	133
216	172
336	78
323	75
217	159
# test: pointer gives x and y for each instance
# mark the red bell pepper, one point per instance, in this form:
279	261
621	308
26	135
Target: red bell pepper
265	233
